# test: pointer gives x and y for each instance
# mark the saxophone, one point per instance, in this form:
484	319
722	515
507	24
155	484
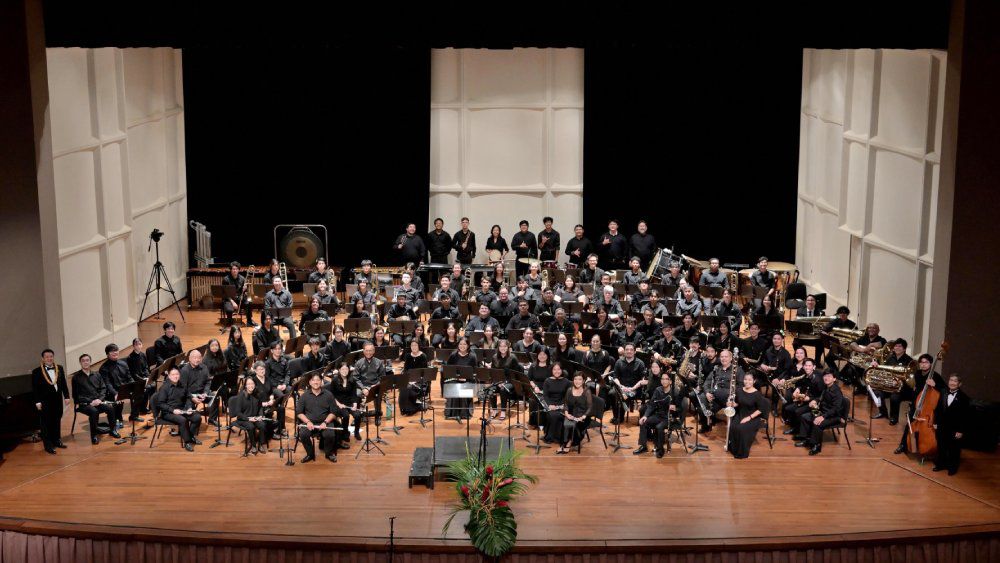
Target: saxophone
684	370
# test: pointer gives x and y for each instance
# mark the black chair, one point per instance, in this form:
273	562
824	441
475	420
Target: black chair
596	421
795	295
845	412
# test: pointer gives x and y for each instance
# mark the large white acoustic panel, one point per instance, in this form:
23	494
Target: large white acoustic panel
896	200
505	76
76	121
76	198
446	153
506	147
904	94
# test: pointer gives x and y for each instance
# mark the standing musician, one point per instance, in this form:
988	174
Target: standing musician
630	372
409	247
750	417
690	304
51	396
713	277
717	386
365	274
525	246
484	295
899	357
325	296
497	243
320	273
168	345
763	278
923	376
315	412
347	393
439	243
175	405
727	308
446	289
230	306
503	308
483	320
614	248
279	298
657	417
824	413
579	403
642	244
265	335
464	243
90	395
806	389
248	412
952	420
548	242
578	248
591	273
634	275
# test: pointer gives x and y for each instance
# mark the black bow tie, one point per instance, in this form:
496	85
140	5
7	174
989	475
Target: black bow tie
953	392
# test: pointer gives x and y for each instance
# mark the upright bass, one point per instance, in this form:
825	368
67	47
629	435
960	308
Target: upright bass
922	439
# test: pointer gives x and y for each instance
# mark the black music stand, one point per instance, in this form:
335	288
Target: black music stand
537	445
768	324
872	402
393	382
515	334
572	307
135	392
318	327
617	434
486	356
225	385
711	322
358	325
374	396
588	333
457	374
425	378
402	327
387	352
468	308
521	388
475	337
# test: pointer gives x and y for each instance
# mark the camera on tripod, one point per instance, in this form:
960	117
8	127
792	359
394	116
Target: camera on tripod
156	235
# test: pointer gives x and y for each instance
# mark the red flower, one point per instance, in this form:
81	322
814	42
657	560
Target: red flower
486	493
489	470
502	504
465	490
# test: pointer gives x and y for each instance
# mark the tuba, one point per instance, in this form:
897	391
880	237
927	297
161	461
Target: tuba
864	359
889	379
847	335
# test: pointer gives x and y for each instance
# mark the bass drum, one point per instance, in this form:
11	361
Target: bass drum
493	256
300	248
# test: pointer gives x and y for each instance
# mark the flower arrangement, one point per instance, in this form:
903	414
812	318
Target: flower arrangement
486	491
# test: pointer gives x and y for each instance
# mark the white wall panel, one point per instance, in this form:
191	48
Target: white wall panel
506	138
865	192
119	172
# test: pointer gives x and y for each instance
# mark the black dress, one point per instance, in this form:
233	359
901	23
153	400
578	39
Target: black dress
461	408
410	395
741	435
554	390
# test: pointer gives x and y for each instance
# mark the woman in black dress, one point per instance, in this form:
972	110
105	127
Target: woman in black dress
723	339
265	393
248	412
750	417
554	391
498	278
579	403
462	356
379	339
418	336
490	340
344	388
411	395
564	352
236	349
497	242
538	374
215	359
506	361
450	341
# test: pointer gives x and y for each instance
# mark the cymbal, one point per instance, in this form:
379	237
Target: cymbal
529	261
781	267
695	261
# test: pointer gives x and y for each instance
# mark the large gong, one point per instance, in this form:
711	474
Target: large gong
300	246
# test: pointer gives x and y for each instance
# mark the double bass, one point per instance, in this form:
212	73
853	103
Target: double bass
923	439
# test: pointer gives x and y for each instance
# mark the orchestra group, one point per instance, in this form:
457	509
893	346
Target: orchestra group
621	326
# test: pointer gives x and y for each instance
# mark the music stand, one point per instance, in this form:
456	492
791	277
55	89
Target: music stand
515	334
424	377
572	307
374	396
712	322
393	382
439	326
604	334
134	392
387	352
710	292
330	308
225	384
486	356
526	388
318	327
457	374
442	354
358	325
768	324
402	327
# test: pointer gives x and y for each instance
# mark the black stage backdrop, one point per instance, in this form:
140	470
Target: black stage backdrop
330	135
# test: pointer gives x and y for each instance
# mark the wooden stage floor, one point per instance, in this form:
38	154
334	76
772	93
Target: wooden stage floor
598	497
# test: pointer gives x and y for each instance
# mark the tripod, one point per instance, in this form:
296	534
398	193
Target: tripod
159	275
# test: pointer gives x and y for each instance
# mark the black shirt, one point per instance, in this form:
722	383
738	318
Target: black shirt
346	393
530	249
643	246
547	250
464	255
316	407
554	390
498	244
167	348
413	248
582	244
629	373
88	387
277	371
138	365
617	251
439	244
456	359
196	380
245	406
115	375
264	337
172	396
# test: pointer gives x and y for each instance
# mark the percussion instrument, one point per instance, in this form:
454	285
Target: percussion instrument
695	268
493	256
529	261
551	264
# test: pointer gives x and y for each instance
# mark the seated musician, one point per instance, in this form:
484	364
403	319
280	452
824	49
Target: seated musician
485	294
503	308
952	418
805	390
840	322
139	366
412	293
410	247
265	335
709	359
824	413
751	415
766	309
230	306
673	279
634	275
609	303
524	292
579	403
415	282
412	394
923	376
630	373
175	404
561	324
315	412
365	274
418	336
446	311
279	298
363	296
713	277
641	298
668	349
198	382
548	304
628	336
312	355
116	374
379	338
763	278
313	313
483	320
369	369
554	391
657	417
248	412
168	345
688	330
320	273
727	308
498	279
723	338
898	357
652	304
752	347
564	352
809	309
533	278
569	291
527	343
214	358
490	338
446	289
598	360
458	281
602	321
590	274
258	372
777	361
578	248
649	329
347	394
90	394
51	396
273	271
867	343
325	296
399	312
450	341
523	319
278	379
717	385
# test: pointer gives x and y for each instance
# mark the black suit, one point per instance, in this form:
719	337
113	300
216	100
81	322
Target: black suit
88	388
951	419
48	395
830	403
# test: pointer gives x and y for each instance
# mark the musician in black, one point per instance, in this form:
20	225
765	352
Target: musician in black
628	336
278	379
548	304
922	377
688	330
448	312
642	244
116	374
525	246
727	308
867	343
578	406
504	359
337	347
805	391
751	415
634	275
776	361
528	344
497	242
464	243
439	243
279	298
630	373
591	273
614	248
409	247
198	381
365	273
713	277
524	291
523	319
51	396
325	296
898	357
484	294
825	412
656	418
578	248
90	396
766	309
368	298
483	320
230	306
690	304
674	276
561	324
667	350
718	384
313	313
413	295
173	401
273	271
248	412
548	242
446	289
265	335
952	419
315	412
753	346
554	391
347	392
653	304
369	369
533	278
168	345
320	273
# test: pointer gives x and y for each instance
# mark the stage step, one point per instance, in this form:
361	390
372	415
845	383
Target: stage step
422	467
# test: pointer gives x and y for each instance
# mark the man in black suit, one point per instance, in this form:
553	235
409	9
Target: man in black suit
828	406
952	417
809	309
51	394
90	395
116	374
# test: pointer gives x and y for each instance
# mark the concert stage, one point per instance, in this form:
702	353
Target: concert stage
133	503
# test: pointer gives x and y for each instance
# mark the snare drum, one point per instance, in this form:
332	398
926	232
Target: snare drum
550	264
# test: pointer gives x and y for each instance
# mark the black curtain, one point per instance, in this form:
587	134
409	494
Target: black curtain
330	135
700	141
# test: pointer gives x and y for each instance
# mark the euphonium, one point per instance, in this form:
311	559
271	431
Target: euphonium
889	379
847	335
864	359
